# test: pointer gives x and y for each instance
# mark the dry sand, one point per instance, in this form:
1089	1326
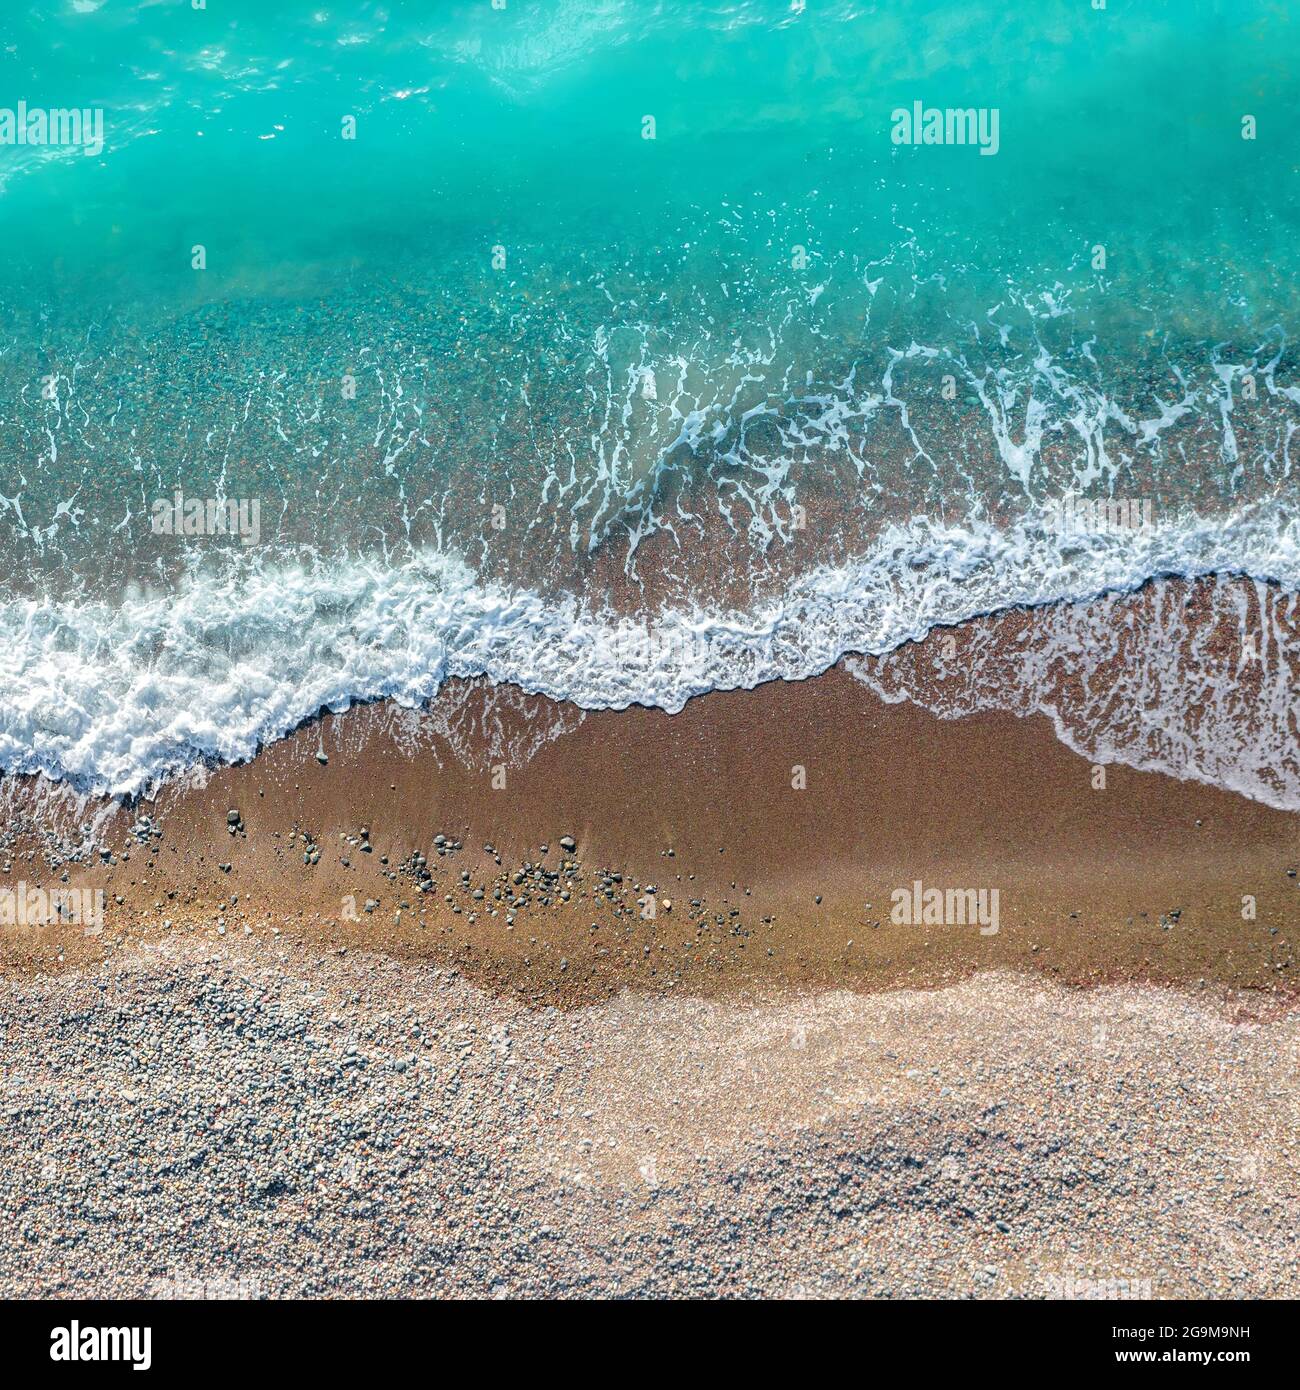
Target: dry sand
252	1119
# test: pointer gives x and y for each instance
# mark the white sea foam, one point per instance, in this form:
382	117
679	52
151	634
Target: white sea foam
118	697
1200	684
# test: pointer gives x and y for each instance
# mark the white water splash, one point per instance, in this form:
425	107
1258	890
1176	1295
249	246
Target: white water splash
117	698
1201	683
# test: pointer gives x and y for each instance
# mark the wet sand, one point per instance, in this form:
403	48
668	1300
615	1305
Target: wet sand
725	825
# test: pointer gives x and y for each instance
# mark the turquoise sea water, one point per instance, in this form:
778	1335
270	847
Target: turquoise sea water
520	391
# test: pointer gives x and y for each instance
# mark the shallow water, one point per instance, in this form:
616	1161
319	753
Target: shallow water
520	392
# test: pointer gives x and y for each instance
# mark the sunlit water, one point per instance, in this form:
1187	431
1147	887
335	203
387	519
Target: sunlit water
519	390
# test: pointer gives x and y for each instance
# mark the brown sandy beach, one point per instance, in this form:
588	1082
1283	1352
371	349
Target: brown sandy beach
515	1080
767	828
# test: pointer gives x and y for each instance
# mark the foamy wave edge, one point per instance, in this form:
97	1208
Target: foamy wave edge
116	699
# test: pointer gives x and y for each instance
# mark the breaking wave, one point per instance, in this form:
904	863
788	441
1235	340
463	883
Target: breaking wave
117	697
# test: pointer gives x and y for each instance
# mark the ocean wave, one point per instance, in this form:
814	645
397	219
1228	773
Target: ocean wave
115	698
1201	681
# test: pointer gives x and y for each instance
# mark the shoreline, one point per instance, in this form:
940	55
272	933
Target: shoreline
741	811
478	1068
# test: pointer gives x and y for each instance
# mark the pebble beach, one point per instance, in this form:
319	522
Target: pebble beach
249	1120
